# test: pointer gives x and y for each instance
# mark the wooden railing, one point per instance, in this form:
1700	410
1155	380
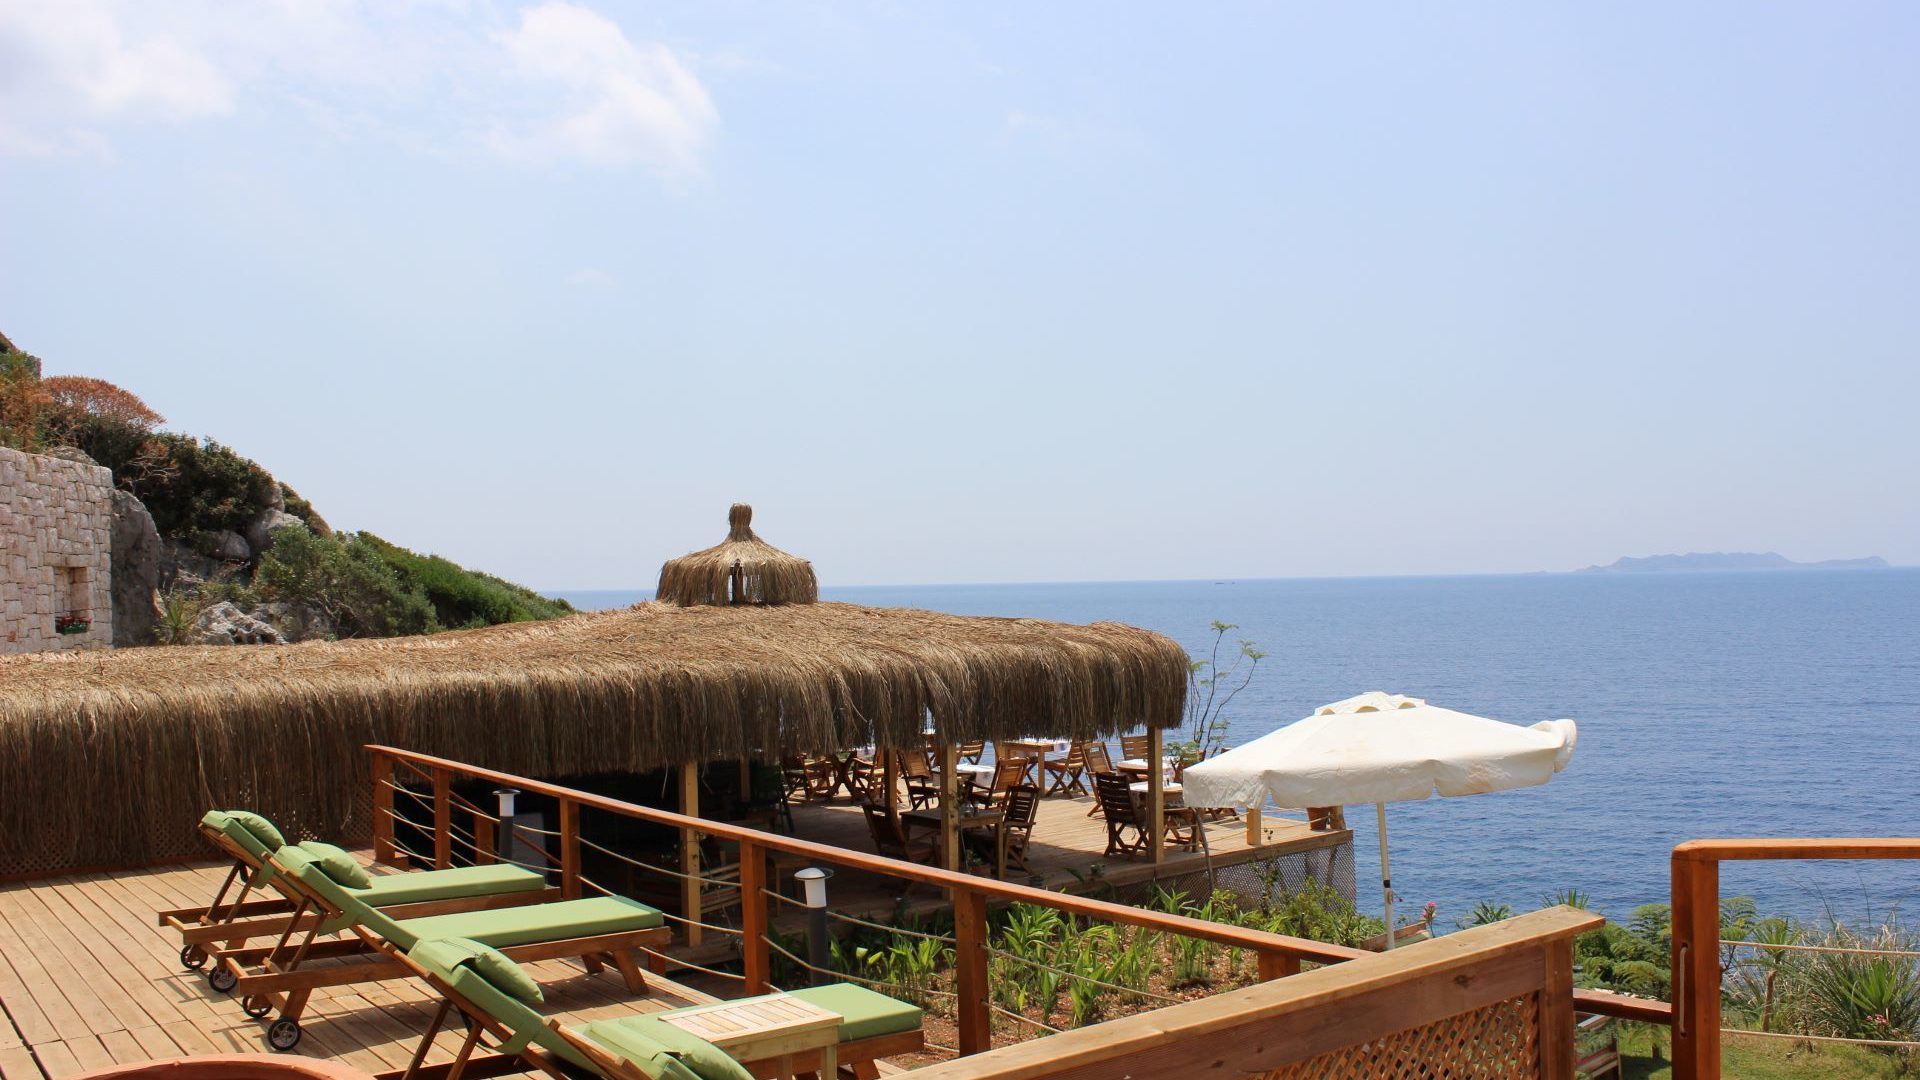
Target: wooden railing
1494	1002
1696	930
395	770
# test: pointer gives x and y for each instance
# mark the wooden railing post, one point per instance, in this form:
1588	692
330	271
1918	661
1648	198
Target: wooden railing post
1556	1012
569	849
1696	968
970	970
442	819
487	836
1277	965
753	916
383	810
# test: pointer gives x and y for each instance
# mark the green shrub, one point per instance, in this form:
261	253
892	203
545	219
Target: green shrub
464	598
347	579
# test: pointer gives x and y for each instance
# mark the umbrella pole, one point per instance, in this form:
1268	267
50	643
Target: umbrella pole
1386	875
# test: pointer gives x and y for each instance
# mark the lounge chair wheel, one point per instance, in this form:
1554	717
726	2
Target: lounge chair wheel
222	980
194	957
284	1035
256	1005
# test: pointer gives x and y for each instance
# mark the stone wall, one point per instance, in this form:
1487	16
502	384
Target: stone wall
56	534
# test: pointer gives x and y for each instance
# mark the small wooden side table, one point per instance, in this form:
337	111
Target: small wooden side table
769	1029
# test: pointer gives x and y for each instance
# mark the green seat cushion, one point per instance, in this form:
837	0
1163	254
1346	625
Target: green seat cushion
864	1013
665	1050
534	923
336	863
458	883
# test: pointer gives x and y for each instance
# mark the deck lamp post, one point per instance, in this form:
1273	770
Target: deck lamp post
503	841
813	880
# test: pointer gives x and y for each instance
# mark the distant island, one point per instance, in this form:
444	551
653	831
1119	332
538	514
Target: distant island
1728	560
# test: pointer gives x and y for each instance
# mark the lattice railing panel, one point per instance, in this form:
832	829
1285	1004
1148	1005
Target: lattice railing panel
1499	1042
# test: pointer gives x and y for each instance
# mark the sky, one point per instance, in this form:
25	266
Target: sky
979	292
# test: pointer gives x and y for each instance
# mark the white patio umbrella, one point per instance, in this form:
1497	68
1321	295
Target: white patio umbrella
1380	748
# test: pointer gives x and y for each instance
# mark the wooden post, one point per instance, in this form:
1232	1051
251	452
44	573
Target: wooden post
1696	968
1156	798
1253	827
1556	1012
690	851
383	810
1278	965
949	805
753	916
746	779
569	849
886	783
488	837
970	970
442	819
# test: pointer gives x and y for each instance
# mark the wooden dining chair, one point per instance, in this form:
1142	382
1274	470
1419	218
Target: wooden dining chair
1069	774
891	840
1116	802
970	752
1015	833
923	787
1135	747
1098	761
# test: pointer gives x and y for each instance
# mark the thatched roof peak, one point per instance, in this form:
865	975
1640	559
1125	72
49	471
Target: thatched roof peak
742	569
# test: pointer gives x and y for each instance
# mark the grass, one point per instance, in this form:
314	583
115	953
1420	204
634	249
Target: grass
1769	1059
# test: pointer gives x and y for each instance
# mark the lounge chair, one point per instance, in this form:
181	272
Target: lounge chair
599	930
498	1001
247	839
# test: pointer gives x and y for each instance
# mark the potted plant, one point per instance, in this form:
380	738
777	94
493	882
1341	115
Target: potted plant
71	623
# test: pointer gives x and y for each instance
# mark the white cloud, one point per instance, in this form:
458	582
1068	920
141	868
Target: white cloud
68	68
551	82
620	102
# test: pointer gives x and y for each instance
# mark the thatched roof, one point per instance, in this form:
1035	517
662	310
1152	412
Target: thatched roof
108	758
742	569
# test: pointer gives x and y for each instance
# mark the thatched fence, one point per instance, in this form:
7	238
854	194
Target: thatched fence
107	759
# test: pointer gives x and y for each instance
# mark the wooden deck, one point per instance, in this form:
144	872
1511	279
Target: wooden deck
87	980
1068	849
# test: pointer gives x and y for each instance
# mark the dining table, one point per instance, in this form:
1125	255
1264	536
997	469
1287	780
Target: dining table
970	817
1038	747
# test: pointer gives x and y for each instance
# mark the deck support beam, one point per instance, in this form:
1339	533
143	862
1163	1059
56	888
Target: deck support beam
690	851
1156	797
949	806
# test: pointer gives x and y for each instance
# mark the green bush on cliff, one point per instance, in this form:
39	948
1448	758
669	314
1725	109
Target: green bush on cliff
368	587
461	597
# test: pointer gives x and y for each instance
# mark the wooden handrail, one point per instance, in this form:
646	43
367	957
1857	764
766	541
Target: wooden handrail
1319	952
1623	1007
1696	928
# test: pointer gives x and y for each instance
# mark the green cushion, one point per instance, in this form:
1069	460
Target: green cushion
494	966
533	923
260	827
458	883
665	1051
337	863
864	1013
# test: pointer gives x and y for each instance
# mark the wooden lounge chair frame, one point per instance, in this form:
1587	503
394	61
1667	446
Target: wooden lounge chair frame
231	924
275	978
475	1060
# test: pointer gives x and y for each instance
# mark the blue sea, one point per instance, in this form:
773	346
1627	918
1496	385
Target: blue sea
1709	705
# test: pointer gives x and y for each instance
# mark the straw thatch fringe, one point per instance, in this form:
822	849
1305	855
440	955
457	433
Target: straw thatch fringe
107	758
767	574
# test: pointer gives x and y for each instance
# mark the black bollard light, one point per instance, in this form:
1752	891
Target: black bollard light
819	954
